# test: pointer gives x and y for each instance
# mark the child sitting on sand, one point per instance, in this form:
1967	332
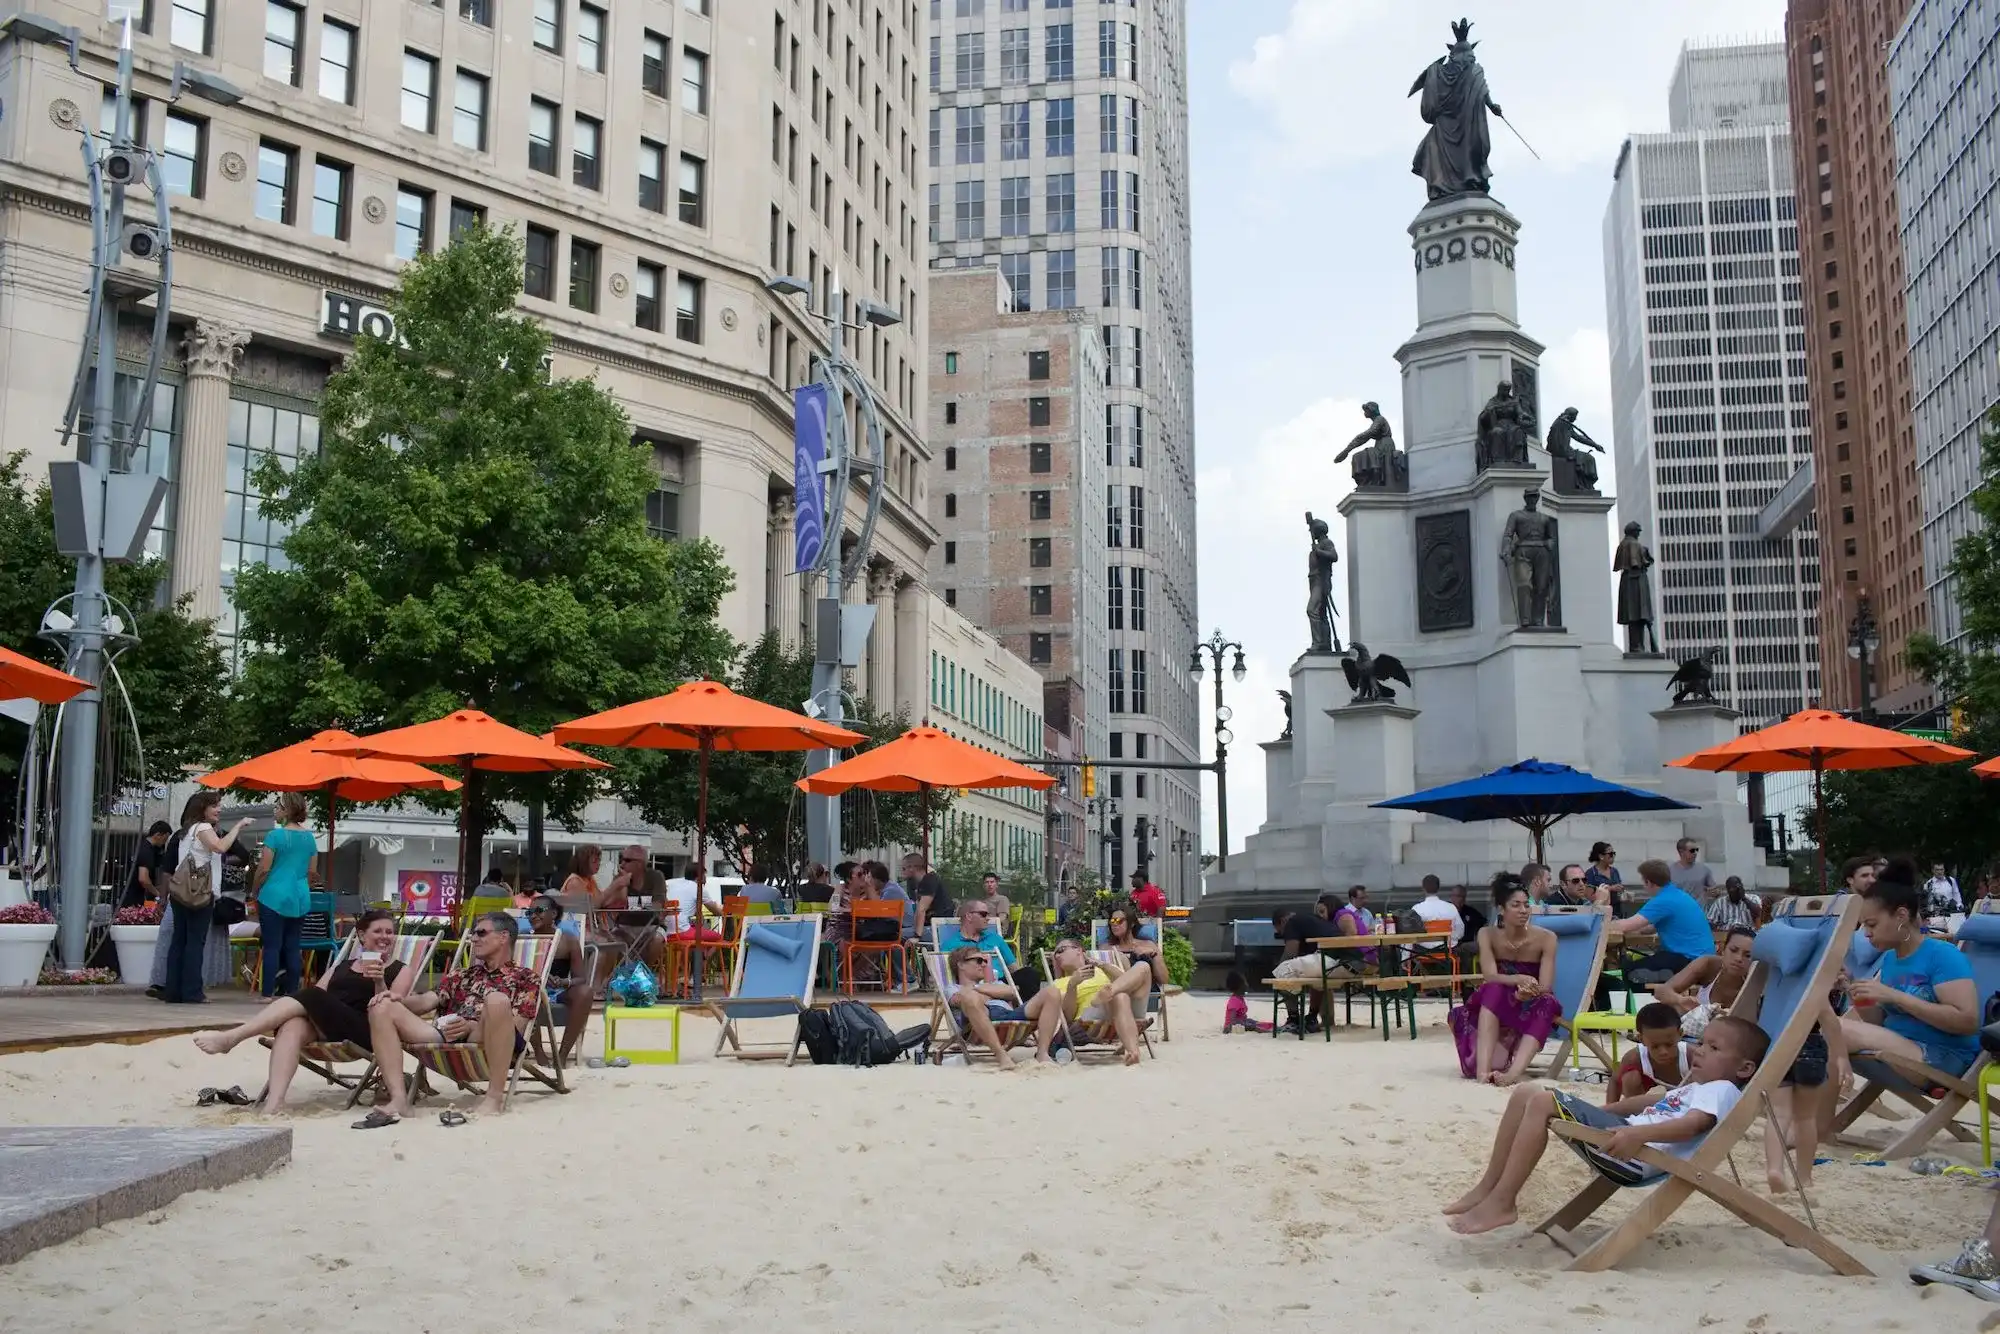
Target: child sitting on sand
1656	1058
1727	1055
1237	1012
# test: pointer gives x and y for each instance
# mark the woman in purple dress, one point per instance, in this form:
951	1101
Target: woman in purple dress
1504	1023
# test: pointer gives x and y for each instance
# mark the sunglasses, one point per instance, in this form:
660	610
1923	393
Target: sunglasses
479	931
978	963
1572	880
977	912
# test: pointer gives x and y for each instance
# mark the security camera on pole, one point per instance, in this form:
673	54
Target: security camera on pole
824	463
103	510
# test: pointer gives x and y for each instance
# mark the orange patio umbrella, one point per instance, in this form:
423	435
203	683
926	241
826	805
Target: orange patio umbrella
1818	739
920	760
1988	768
307	767
704	716
22	677
476	743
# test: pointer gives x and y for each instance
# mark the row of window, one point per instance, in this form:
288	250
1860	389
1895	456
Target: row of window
191	27
1117	129
1128	694
965	695
1121	581
1117	55
1125	517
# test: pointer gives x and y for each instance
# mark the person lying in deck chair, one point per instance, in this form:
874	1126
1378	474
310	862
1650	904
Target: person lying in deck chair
492	1000
981	999
1090	993
1727	1055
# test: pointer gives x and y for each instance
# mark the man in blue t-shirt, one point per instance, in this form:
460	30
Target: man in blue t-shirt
1671	914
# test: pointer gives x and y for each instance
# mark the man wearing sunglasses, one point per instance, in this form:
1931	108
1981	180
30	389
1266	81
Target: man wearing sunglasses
981	999
978	925
490	1000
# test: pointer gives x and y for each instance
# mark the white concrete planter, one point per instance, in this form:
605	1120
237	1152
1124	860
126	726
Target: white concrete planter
135	952
22	949
13	890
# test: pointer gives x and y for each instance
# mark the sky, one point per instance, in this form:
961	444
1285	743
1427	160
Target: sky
1300	138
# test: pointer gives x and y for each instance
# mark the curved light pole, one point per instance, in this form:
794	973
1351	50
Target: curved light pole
1215	646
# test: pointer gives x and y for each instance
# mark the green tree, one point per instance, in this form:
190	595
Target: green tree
174	674
754	808
473	534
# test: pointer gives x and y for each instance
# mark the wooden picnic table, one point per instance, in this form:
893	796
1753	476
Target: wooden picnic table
1400	981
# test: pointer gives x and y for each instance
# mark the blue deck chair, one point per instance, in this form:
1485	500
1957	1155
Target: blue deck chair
1937	1096
1796	959
1580	942
775	972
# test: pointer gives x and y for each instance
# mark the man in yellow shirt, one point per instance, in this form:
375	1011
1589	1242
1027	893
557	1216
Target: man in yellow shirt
1090	993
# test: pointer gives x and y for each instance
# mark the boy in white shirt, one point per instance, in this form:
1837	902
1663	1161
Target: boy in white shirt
1674	1122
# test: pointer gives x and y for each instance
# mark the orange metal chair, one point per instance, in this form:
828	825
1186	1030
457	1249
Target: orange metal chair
1426	958
874	910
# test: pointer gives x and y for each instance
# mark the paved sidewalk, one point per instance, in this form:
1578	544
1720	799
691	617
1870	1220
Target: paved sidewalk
38	1018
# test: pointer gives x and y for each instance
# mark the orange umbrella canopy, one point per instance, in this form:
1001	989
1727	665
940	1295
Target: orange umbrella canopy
922	758
24	678
682	718
1988	768
308	767
467	737
1819	739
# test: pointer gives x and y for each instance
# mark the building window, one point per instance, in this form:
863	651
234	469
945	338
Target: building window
420	74
1059	124
1116	674
1014	133
951	413
413	222
1139	607
185	154
1039	459
694	81
951	363
542	136
249	535
468	112
1059	53
585	157
590	38
476	11
283	26
647	283
1040	554
336	61
951	506
653	59
696	7
583	262
1020	287
1014	206
692	190
539	275
1041	645
652	176
1114	592
951	553
1137	511
1060	268
1013	56
951	458
969	58
548	25
1059	202
1109	265
187	25
465	217
969	134
687	309
968	210
1138	680
1114	518
332	187
277	181
1039	504
951	597
663	513
1132	259
1038	412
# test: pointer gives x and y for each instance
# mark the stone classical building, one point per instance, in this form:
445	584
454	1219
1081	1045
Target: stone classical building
1864	465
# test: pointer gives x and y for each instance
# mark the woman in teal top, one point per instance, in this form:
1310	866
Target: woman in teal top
1922	1004
284	896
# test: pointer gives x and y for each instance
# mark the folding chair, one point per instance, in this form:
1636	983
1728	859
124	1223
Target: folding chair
1797	958
874	910
775	973
1152	929
464	1063
1937	1097
945	1025
322	937
1095	1037
414	953
1580	941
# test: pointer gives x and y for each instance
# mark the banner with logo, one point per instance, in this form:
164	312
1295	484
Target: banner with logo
428	893
808	450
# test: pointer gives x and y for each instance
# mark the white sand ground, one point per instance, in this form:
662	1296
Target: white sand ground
1236	1183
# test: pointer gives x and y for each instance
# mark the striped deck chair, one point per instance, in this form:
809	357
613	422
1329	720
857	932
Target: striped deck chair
1938	1097
414	953
1097	1038
775	973
1796	960
1580	942
464	1063
1153	929
947	1036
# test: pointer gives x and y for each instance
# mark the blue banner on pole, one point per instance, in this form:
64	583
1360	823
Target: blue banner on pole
808	450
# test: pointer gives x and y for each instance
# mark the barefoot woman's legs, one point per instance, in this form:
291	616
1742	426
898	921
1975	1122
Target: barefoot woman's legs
1485	1045
391	1028
267	1020
286	1044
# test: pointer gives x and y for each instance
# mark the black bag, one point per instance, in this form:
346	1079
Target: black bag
915	1042
816	1035
878	930
861	1037
229	910
1408	923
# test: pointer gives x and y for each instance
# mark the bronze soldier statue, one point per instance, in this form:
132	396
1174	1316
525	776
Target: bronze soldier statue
1528	550
1633	564
1503	430
1319	587
1565	437
1453	157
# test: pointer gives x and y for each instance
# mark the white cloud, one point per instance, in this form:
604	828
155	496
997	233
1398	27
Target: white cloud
1576	373
1333	82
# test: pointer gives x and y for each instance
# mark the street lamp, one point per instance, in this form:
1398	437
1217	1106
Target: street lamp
1183	844
1864	642
1215	646
1106	810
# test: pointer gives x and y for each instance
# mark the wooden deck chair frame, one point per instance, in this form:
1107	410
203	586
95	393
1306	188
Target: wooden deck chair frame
1156	1000
1702	1172
322	1058
946	1035
1549	1063
934	936
766	1007
1099	1038
535	953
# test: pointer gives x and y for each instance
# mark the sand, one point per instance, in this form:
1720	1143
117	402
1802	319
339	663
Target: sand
1237	1182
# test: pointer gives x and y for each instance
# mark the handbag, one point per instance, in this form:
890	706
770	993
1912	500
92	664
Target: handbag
191	887
229	910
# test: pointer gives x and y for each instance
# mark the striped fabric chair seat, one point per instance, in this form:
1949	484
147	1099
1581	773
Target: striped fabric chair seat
464	1063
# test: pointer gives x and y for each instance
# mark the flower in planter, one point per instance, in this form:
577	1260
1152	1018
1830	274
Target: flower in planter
81	977
26	914
138	914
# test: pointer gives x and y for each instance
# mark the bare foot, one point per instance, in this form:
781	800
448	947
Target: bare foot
1131	1058
1776	1181
215	1044
1466	1202
489	1107
1509	1079
1482	1218
1483	1077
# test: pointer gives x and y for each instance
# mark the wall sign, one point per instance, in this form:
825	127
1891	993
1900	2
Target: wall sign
348	317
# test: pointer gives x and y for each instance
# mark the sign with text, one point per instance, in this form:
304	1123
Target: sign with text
428	893
349	317
809	491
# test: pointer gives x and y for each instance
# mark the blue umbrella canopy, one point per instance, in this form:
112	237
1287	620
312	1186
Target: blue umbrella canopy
1533	794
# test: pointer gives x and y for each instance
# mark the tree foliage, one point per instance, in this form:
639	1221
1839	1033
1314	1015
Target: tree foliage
754	807
174	674
473	534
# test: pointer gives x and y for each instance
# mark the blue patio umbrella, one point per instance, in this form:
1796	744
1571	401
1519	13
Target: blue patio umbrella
1533	794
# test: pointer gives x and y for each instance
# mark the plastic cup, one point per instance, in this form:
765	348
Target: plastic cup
1621	1002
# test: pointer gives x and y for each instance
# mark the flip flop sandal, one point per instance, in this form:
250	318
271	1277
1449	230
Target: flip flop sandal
207	1097
375	1120
234	1096
452	1117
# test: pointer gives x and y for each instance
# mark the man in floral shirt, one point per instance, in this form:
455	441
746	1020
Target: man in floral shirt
491	1001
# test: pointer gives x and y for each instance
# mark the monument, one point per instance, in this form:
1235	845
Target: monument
1481	583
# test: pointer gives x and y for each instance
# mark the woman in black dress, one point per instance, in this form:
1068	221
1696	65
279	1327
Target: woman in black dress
334	1009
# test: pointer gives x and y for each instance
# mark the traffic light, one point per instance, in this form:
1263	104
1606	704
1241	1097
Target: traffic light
1089	779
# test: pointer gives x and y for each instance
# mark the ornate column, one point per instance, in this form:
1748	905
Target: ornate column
882	640
212	351
785	585
913	651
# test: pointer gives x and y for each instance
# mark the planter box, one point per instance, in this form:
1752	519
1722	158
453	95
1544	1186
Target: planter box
135	952
22	949
13	890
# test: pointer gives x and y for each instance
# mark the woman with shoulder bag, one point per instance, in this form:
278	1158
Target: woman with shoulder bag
199	873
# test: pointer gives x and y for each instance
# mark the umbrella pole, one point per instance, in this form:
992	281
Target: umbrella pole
468	847
1819	818
924	802
331	814
700	863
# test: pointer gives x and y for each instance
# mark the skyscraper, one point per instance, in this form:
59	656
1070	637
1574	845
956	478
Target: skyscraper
1857	346
1058	153
1708	374
1944	77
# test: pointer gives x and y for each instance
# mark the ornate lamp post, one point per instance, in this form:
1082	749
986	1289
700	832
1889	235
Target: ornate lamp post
1215	646
1864	641
1183	845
